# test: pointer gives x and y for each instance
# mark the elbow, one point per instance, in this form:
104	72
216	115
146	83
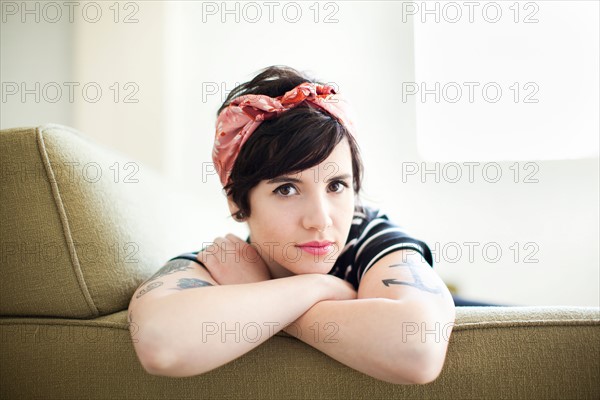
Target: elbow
428	365
156	367
419	364
172	370
419	373
429	352
154	357
153	361
163	361
167	366
429	370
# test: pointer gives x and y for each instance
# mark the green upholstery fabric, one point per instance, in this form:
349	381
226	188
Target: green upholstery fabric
63	321
77	239
494	353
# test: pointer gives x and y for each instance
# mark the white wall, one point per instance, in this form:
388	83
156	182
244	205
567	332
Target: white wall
26	59
126	60
176	59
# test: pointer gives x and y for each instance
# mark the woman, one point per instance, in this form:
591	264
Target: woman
315	258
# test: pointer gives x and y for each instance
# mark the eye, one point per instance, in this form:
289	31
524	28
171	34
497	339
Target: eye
288	189
283	190
340	184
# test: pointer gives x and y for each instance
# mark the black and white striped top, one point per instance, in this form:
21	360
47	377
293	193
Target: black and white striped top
372	236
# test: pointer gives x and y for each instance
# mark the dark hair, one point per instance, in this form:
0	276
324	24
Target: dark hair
298	139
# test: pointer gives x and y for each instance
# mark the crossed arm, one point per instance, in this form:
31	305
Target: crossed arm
396	329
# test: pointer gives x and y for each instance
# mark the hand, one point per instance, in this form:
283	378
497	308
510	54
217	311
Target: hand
340	289
230	261
336	289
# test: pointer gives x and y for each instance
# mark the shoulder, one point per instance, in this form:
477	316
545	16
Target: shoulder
376	235
191	256
371	236
368	221
370	231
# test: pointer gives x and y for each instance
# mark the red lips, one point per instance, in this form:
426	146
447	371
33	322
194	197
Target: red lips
316	244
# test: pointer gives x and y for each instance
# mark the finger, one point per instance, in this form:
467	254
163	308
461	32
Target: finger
221	243
228	249
243	244
234	238
212	249
237	243
230	243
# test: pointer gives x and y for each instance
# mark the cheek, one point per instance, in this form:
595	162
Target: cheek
271	224
347	206
273	215
345	220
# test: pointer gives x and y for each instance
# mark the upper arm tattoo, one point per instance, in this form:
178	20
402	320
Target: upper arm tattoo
418	283
169	268
148	288
188	283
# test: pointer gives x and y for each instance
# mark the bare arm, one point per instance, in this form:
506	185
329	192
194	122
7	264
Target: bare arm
396	331
193	330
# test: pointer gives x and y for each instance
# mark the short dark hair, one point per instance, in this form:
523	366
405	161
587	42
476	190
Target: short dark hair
298	139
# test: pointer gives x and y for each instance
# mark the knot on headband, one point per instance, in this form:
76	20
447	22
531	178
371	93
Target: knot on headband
245	113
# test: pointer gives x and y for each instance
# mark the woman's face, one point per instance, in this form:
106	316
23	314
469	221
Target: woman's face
316	204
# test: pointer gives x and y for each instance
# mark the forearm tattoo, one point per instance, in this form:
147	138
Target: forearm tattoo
418	283
170	268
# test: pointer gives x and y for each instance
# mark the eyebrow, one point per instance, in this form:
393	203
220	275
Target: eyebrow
285	178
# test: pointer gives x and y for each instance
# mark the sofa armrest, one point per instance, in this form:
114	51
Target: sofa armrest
82	225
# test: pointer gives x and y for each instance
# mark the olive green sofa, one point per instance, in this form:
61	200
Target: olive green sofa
78	239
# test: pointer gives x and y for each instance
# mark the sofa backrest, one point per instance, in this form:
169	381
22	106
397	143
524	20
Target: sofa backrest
82	226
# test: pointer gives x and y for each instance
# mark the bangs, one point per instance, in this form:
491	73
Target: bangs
298	140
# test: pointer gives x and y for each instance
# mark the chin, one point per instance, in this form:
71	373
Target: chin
307	263
310	267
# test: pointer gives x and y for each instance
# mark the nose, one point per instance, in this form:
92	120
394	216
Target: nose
317	214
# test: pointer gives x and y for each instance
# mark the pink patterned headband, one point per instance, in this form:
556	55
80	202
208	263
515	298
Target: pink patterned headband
245	113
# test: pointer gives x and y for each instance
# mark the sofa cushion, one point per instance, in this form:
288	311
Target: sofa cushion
494	353
82	226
